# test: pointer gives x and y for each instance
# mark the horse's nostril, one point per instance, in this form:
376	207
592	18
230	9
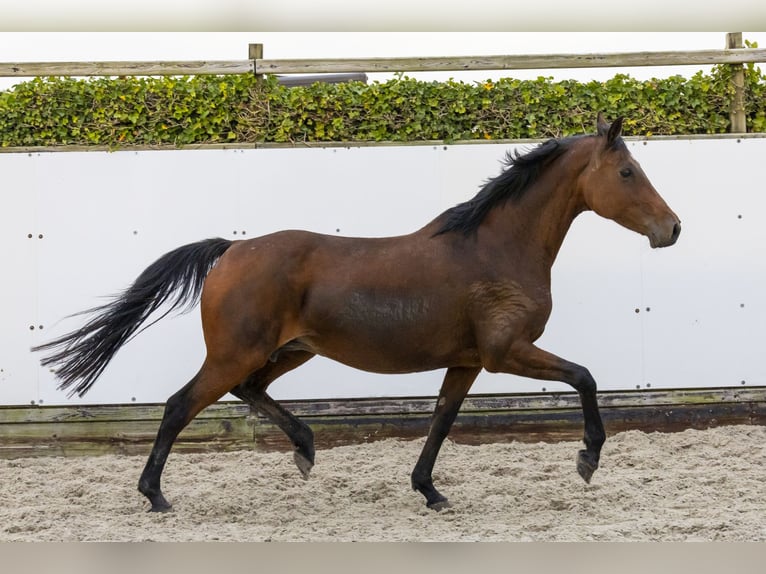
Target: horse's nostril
676	231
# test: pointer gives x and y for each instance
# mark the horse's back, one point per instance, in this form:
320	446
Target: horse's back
316	257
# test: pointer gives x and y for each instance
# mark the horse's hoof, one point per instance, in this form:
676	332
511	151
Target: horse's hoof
586	465
161	507
159	503
439	505
303	464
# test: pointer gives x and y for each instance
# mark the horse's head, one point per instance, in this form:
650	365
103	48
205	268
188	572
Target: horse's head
614	186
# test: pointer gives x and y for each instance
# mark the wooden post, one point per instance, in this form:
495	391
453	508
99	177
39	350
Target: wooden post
255	52
737	115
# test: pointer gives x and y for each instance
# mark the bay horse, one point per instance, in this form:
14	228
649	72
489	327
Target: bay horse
469	291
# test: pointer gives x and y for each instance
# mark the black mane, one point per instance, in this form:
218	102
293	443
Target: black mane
520	172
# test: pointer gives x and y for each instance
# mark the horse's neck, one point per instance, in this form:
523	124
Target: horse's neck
534	226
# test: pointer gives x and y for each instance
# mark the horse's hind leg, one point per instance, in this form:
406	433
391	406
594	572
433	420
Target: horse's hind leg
206	387
253	391
456	384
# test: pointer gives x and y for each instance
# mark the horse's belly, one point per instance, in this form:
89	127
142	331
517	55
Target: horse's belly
394	357
402	338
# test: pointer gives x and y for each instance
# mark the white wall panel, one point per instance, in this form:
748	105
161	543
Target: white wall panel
19	242
686	316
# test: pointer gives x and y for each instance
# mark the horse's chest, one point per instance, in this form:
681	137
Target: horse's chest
507	306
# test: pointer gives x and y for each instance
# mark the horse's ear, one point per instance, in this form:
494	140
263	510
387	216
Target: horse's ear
601	126
614	131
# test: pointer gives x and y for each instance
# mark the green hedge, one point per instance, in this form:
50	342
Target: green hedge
204	109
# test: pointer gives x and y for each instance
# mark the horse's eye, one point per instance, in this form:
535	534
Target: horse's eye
626	172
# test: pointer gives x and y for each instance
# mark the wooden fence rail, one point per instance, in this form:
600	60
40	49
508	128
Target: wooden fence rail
385	65
190	68
514	62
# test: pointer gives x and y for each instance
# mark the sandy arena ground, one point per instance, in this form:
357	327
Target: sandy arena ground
695	485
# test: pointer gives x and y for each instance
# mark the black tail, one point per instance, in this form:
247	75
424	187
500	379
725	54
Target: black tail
83	355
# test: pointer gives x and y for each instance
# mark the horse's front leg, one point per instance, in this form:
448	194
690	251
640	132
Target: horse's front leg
527	360
456	383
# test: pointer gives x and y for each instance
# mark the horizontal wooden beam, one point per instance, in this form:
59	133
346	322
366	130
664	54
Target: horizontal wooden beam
513	62
389	65
190	68
130	429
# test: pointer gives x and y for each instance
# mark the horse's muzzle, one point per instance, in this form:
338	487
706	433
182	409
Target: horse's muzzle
666	238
